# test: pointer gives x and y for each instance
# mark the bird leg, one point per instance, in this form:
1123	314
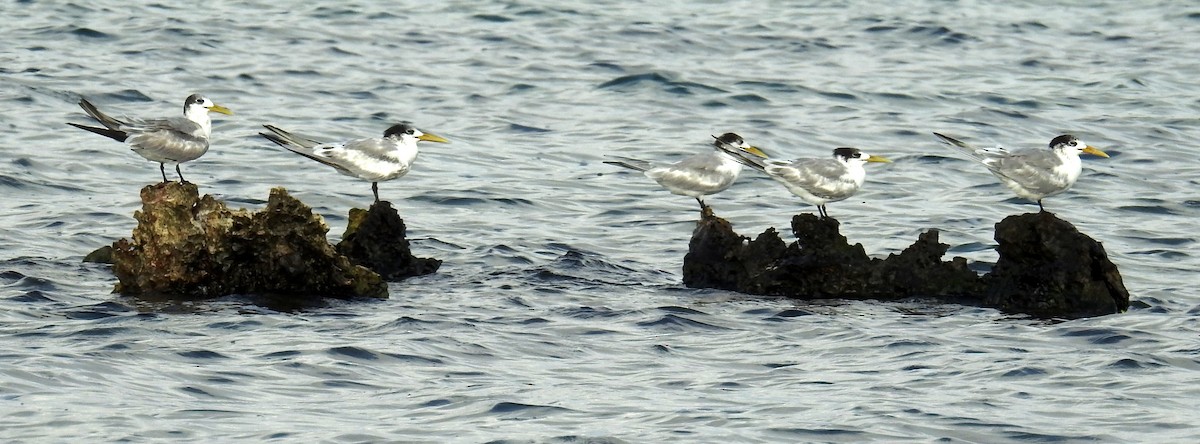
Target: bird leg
180	173
1041	209
375	190
705	210
822	212
163	169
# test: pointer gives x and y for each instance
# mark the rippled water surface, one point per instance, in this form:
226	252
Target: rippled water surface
559	315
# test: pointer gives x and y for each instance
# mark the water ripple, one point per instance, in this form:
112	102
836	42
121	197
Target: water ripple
558	314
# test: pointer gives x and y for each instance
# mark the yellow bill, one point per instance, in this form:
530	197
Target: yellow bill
432	138
1094	151
755	151
875	158
220	109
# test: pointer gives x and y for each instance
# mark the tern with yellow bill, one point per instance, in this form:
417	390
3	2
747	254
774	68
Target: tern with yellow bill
371	159
819	181
167	140
1032	174
698	175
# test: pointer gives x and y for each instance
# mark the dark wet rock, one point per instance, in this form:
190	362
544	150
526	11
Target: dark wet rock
821	263
1047	268
376	239
192	247
1031	276
102	255
719	258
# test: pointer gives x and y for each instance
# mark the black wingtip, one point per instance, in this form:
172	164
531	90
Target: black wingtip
119	136
949	140
274	138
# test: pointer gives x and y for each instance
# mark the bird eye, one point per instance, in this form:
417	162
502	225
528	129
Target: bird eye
411	131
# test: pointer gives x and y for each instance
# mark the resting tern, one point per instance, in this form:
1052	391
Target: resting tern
1032	174
371	159
819	181
698	175
167	140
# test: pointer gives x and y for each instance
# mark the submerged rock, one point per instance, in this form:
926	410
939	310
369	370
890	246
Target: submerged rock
186	246
1030	277
375	239
102	255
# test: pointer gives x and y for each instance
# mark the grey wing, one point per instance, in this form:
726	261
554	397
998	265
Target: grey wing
1033	169
173	140
351	155
820	177
698	162
373	149
178	127
326	153
699	172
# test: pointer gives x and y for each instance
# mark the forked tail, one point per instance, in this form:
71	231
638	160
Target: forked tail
960	146
289	140
104	119
117	135
626	162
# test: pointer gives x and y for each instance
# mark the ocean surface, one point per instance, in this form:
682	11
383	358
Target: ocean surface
559	315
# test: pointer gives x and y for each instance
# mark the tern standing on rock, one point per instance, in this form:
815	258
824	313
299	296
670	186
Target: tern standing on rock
167	140
699	175
372	159
1032	174
818	181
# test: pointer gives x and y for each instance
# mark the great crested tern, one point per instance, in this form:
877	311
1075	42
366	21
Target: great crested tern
1032	174
371	159
167	140
698	175
818	181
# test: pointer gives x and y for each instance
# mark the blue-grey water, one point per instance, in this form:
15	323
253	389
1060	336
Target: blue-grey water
559	314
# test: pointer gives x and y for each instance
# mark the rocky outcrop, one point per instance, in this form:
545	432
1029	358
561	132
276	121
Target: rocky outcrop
819	264
1046	267
376	239
187	246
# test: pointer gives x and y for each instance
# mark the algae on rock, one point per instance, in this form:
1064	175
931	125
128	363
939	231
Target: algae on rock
376	239
187	246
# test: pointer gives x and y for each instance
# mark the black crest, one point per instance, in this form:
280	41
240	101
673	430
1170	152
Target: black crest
192	100
1065	139
398	129
847	153
730	139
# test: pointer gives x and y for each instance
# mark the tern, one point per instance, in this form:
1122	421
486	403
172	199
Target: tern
370	159
818	181
166	140
698	175
1032	174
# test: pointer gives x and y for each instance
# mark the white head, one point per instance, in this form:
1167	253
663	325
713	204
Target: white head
855	156
406	134
1069	144
196	107
732	143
